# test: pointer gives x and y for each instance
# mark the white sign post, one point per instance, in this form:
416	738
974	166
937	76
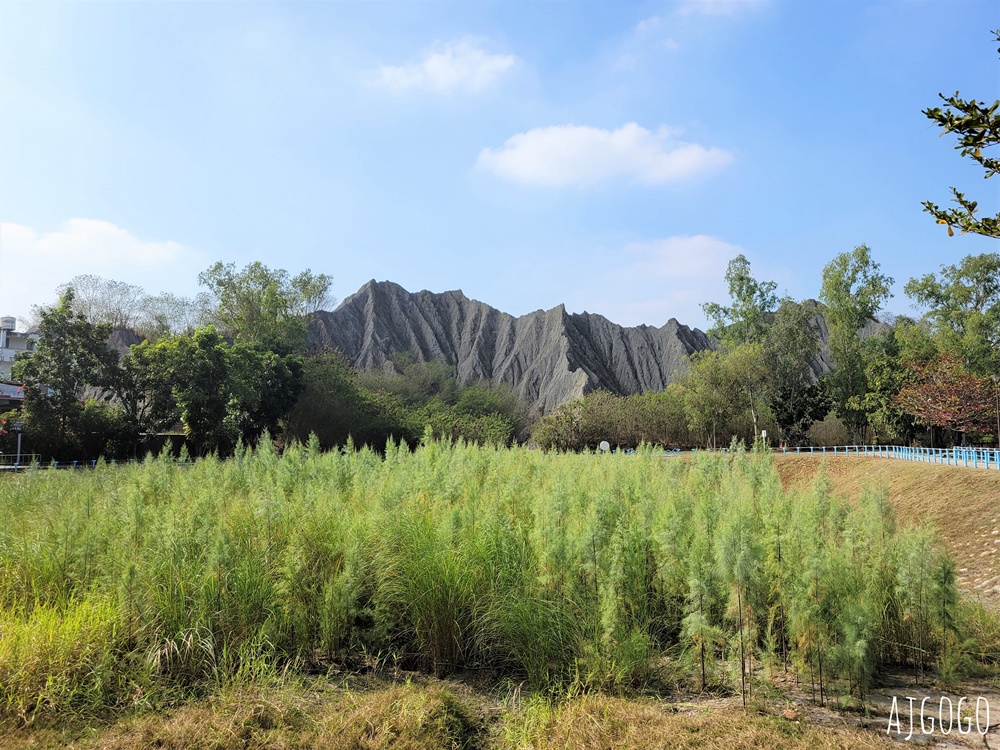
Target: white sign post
18	428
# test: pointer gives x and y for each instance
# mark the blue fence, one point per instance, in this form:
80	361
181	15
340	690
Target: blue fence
978	458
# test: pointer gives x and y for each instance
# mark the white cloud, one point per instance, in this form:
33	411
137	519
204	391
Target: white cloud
654	25
563	155
649	24
695	257
647	36
717	7
456	66
89	240
650	32
653	281
33	264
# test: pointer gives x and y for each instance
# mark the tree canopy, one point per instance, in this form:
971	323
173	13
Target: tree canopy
977	125
944	394
262	306
853	291
71	355
231	383
790	348
745	320
220	393
963	309
101	300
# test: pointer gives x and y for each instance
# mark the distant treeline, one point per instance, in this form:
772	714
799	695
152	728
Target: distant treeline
238	372
894	379
238	375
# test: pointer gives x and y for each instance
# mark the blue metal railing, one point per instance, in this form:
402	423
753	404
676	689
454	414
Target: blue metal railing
977	458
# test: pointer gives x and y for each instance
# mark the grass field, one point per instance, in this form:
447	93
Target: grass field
961	504
268	601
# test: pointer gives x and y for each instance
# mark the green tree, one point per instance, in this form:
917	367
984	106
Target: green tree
334	407
413	381
963	309
101	431
660	417
768	349
740	557
585	422
885	375
978	126
485	399
220	393
71	355
264	386
143	387
707	403
558	430
264	307
699	627
745	320
795	396
746	366
710	399
199	376
330	405
853	291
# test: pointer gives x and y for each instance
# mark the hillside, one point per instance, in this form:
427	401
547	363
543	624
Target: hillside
549	356
962	504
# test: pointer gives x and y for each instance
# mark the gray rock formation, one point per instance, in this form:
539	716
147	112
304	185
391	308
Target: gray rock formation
121	339
823	362
549	356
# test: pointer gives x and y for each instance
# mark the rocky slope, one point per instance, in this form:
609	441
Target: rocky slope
549	356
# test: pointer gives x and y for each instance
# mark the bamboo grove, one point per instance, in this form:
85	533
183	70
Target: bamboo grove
143	585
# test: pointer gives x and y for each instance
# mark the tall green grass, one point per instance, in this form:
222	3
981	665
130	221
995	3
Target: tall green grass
148	584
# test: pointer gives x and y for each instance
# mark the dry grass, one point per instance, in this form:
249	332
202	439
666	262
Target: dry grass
962	504
433	716
602	723
408	717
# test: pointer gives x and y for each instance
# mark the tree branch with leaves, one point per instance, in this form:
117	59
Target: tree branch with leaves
977	125
943	393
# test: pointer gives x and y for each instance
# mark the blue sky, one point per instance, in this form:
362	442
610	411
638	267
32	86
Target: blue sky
609	155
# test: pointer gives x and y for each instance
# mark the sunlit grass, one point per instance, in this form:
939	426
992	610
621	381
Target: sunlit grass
145	586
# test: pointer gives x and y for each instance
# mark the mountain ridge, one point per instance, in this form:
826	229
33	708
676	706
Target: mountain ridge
548	356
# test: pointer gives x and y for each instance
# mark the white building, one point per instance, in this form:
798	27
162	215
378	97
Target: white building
12	342
11	396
